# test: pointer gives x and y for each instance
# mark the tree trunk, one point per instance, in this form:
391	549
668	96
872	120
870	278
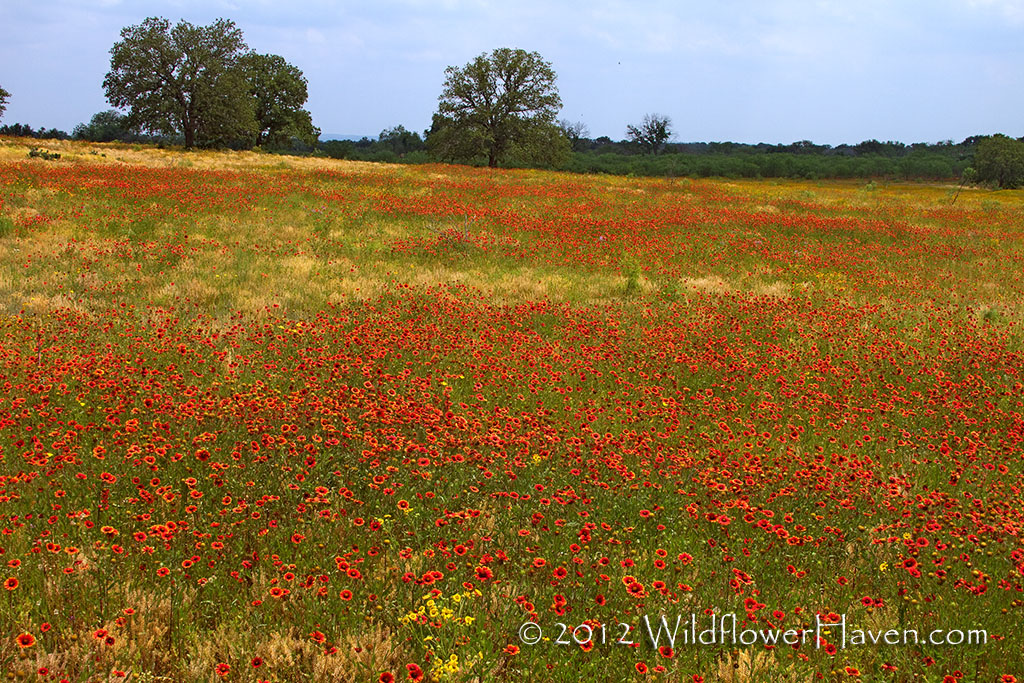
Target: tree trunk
492	159
190	137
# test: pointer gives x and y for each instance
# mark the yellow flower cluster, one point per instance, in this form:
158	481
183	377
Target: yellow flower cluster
435	609
443	668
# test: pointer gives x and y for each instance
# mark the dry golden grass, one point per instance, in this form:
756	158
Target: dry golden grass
708	284
754	666
74	151
143	647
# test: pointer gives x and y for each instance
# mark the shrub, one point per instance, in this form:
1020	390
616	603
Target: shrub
1000	161
46	155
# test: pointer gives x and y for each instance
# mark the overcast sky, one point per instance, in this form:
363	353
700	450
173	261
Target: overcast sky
772	71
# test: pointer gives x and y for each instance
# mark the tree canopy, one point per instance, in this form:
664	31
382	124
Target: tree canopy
652	133
1000	160
576	132
202	83
182	80
279	91
3	101
400	141
104	126
499	106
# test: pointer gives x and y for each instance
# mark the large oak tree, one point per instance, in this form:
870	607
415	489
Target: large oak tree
182	80
499	106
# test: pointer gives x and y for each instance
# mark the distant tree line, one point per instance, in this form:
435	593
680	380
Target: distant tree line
869	159
393	145
201	86
21	130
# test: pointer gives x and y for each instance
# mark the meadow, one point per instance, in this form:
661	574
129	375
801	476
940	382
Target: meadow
296	419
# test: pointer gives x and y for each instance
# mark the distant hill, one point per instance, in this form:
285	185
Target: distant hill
342	136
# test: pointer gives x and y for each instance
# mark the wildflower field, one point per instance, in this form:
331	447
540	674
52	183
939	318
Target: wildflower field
270	418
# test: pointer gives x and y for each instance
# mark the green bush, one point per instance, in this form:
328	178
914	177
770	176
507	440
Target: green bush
36	152
1000	161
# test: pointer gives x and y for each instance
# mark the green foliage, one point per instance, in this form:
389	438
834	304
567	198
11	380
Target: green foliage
335	149
279	91
4	96
496	104
576	132
400	141
652	133
21	130
229	118
451	142
753	163
104	126
632	272
393	145
541	146
182	80
45	155
1000	160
